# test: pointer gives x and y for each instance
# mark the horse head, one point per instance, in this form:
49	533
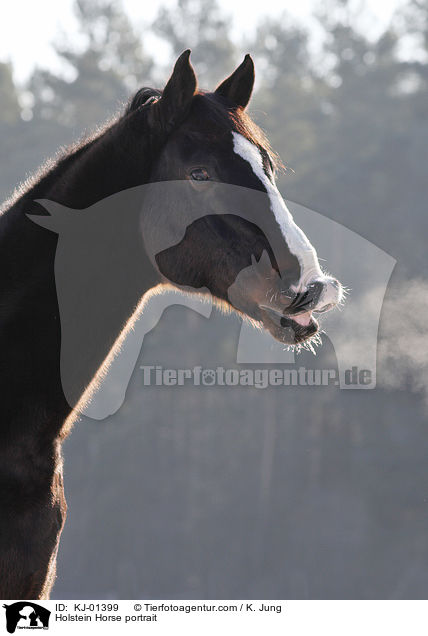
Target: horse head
216	221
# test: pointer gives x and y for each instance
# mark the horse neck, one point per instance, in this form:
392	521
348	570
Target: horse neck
30	332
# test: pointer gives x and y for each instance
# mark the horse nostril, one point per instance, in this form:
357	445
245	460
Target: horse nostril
314	292
316	288
318	296
306	300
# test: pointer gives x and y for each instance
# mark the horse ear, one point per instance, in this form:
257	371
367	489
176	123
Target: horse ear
178	93
238	87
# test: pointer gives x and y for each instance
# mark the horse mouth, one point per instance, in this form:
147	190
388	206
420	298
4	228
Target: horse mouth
288	329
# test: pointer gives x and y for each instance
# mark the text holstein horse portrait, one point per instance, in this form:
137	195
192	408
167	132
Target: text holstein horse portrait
178	191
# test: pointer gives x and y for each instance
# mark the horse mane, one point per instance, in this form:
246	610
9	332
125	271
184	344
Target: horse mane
143	97
55	168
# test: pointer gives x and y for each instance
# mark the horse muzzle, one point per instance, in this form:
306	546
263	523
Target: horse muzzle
293	312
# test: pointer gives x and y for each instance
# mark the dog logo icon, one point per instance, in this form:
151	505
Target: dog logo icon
26	615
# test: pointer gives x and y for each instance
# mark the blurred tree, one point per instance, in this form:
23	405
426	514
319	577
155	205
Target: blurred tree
201	26
110	63
11	128
289	97
10	110
414	20
370	148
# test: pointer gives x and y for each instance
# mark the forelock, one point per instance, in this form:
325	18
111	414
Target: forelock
143	97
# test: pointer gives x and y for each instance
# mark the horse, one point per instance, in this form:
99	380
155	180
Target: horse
184	135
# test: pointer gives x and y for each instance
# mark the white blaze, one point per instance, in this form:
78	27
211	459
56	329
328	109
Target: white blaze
297	241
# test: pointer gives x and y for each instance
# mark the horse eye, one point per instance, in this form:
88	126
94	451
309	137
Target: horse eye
200	174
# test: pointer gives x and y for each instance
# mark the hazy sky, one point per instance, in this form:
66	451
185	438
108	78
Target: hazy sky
27	28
